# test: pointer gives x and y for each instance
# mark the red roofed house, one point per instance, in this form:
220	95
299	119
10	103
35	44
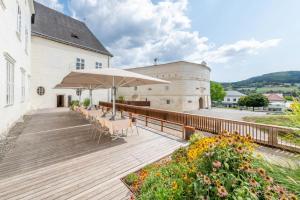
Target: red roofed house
277	102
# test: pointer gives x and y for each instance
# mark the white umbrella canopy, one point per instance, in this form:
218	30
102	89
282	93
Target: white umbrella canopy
107	78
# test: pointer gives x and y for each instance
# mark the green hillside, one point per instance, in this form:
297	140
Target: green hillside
276	78
287	83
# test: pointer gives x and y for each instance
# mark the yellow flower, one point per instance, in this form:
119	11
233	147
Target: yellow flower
174	185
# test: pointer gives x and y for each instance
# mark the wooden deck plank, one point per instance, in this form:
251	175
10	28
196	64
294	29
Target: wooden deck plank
67	164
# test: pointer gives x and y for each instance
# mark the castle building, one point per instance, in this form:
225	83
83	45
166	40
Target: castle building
189	88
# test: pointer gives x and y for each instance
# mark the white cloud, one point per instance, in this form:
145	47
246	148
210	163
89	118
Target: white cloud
137	31
54	4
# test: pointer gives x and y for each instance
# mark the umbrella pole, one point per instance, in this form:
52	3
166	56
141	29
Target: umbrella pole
114	99
91	98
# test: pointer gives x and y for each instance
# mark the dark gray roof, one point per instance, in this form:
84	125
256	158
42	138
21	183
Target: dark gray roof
233	93
56	26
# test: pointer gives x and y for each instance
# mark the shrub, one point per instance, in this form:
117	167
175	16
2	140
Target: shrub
86	102
195	137
74	103
220	167
131	178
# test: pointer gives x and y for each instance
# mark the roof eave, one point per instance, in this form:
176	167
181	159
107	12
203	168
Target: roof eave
35	33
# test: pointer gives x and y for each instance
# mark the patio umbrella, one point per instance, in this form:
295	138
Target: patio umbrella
107	78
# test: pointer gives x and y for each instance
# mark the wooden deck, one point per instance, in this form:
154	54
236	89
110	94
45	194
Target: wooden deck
55	158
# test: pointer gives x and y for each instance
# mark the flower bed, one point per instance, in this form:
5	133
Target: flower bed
220	167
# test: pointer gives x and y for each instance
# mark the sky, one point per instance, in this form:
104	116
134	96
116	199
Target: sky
238	39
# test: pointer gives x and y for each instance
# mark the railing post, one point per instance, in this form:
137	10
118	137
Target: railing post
146	121
162	126
272	137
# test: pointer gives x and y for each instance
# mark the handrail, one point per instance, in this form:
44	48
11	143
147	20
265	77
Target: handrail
269	135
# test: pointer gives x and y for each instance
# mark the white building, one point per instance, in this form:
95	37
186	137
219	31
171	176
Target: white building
38	47
15	66
189	88
61	44
232	97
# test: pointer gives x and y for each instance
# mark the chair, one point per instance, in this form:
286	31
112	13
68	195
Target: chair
133	123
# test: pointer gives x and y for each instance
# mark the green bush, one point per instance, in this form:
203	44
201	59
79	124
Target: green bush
195	137
131	178
220	167
74	103
86	102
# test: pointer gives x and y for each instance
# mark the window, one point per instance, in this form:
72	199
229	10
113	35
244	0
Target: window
168	101
190	101
98	65
10	73
79	63
228	99
234	99
26	40
40	90
22	85
149	89
19	22
78	92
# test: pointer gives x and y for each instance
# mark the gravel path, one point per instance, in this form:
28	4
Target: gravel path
227	113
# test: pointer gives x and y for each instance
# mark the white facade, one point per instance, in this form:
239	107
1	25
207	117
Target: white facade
51	61
189	88
232	98
15	67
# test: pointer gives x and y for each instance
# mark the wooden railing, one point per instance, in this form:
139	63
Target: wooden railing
274	136
134	103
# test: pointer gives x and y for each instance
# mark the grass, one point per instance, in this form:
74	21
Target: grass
277	89
288	177
278	120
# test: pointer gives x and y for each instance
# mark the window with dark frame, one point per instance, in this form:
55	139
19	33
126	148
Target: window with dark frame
80	64
40	90
98	65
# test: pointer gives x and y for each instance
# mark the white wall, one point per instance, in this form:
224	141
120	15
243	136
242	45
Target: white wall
51	61
14	46
189	83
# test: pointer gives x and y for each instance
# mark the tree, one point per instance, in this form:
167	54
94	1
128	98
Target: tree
217	91
254	100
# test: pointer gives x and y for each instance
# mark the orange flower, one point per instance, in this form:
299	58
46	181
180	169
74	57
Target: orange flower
217	164
261	172
269	179
253	183
206	180
222	192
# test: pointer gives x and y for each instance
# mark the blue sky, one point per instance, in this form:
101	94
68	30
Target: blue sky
237	38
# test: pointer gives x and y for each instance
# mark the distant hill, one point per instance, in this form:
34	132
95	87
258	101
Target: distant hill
276	78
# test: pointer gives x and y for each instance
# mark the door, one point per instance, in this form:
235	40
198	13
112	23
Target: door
60	101
201	103
69	100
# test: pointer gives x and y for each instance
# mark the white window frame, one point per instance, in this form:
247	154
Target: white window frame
23	92
10	79
80	63
19	22
98	65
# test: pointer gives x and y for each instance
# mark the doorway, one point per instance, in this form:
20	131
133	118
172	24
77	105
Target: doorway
69	100
60	101
201	103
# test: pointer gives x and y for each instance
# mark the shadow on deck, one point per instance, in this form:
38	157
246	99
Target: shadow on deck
55	157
